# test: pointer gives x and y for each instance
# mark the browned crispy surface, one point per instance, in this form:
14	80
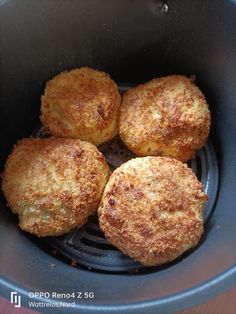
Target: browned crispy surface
152	209
54	184
168	116
81	103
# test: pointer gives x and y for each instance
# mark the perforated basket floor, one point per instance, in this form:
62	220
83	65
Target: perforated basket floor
88	247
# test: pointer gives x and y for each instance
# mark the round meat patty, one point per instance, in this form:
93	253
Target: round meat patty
54	184
167	116
82	103
152	209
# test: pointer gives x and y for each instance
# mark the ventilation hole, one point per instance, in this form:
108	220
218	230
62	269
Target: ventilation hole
101	246
95	238
93	219
199	167
97	233
93	225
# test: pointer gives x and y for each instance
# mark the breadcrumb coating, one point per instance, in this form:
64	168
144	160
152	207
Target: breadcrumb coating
167	116
54	184
81	103
152	209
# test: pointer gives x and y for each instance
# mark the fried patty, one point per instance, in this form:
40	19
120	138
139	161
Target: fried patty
54	184
152	209
167	116
82	103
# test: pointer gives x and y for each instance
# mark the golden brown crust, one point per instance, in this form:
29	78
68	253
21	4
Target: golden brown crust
81	103
167	116
152	209
54	184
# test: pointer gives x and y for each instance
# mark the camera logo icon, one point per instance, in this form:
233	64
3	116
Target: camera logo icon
15	299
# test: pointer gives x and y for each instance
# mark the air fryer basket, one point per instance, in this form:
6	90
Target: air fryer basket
134	41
